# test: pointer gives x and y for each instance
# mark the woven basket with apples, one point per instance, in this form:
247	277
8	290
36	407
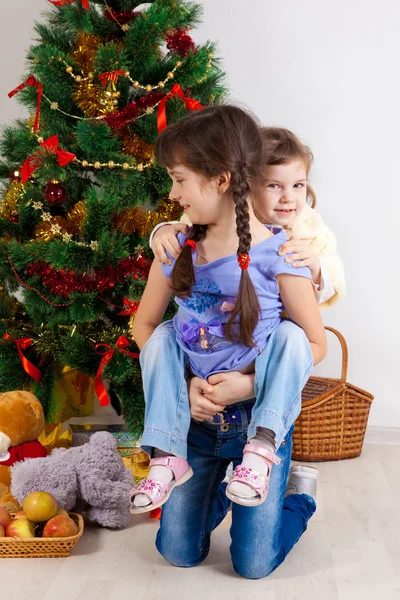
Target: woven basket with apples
40	530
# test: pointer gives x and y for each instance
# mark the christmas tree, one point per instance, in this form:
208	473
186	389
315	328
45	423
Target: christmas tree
82	190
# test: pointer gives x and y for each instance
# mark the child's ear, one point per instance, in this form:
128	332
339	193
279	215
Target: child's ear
224	181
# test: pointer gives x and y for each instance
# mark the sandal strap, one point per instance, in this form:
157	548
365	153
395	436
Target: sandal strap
178	466
254	479
151	488
271	457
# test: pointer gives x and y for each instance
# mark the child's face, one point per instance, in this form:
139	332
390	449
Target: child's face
284	194
201	199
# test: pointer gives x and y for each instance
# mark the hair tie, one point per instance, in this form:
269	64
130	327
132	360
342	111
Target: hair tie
244	261
191	243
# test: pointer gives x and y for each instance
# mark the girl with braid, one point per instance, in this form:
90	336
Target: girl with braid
230	286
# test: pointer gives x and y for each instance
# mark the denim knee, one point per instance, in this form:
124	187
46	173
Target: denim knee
251	569
180	554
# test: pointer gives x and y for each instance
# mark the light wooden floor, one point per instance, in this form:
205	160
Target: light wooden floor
351	551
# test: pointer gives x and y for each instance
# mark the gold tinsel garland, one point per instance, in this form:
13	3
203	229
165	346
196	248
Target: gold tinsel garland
87	95
46	231
142	221
87	45
134	145
76	218
9	204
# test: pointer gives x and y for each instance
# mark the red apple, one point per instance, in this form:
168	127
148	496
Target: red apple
2	531
39	506
20	515
20	528
5	517
60	526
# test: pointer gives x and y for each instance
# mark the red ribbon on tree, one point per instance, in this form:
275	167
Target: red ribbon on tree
32	163
176	92
33	82
23	344
99	386
110	76
130	307
85	3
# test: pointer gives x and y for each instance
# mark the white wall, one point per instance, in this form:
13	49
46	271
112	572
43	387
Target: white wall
329	71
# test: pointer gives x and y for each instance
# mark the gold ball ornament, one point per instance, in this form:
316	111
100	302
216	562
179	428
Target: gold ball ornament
161	84
85	163
149	88
127	74
111	164
97	164
125	166
170	75
69	70
139	167
135	84
179	63
40	139
78	79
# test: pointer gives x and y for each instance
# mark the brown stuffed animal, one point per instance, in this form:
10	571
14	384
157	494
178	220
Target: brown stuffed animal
21	423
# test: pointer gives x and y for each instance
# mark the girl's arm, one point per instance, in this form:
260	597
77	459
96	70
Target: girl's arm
153	305
298	298
163	239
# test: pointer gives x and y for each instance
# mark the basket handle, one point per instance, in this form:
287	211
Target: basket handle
345	354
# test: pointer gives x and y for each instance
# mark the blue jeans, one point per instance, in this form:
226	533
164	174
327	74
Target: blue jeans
262	536
281	372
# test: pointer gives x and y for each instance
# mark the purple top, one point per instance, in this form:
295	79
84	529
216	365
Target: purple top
199	322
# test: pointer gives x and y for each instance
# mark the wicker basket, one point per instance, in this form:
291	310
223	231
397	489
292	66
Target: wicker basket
41	547
333	418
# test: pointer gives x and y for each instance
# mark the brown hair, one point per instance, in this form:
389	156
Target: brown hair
209	142
281	146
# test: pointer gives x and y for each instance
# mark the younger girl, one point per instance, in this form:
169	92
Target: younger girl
230	295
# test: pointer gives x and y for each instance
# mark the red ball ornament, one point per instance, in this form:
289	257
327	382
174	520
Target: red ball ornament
15	175
55	193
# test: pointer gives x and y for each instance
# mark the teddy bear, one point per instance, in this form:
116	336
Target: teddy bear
93	473
21	423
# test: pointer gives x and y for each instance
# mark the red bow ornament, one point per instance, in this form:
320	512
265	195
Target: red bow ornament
33	82
99	386
33	161
176	92
23	344
110	76
130	307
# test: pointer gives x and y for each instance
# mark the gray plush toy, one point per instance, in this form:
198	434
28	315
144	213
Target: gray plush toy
94	473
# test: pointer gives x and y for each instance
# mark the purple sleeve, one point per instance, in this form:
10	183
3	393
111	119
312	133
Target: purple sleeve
280	267
167	269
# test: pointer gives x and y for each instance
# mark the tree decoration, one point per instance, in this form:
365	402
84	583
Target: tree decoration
80	178
9	203
181	42
55	193
141	221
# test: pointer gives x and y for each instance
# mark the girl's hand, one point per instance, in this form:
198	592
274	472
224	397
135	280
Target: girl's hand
230	387
165	240
201	407
302	256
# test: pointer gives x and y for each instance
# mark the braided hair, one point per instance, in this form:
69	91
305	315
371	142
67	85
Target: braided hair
214	140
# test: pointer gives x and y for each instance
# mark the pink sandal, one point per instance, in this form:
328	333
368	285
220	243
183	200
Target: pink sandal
254	479
159	492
